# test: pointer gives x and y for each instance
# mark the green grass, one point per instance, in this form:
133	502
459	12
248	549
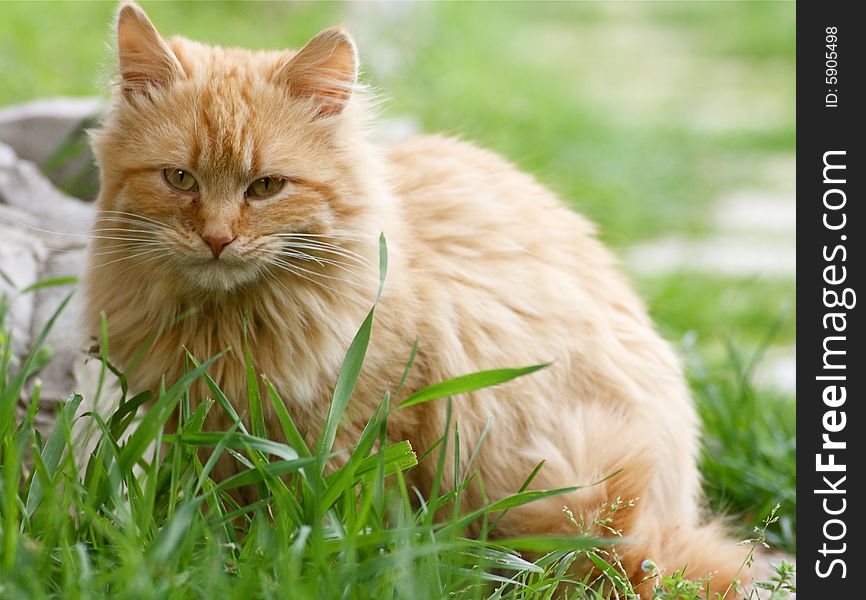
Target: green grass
724	330
570	92
716	311
749	455
140	517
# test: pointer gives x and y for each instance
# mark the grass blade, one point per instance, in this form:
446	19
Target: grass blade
552	543
53	451
352	362
468	383
236	440
11	391
155	418
254	396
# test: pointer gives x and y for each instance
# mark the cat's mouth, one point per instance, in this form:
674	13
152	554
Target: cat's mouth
223	273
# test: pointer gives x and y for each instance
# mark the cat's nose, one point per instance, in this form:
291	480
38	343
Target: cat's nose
217	243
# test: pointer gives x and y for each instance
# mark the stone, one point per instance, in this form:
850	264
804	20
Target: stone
43	235
20	257
23	186
66	339
37	130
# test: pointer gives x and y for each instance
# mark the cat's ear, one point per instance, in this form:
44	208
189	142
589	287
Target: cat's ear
325	71
145	59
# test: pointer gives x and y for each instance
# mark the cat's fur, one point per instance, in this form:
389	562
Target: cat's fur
487	268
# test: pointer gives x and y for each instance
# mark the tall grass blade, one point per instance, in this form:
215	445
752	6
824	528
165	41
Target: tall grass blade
53	451
468	383
352	362
157	416
12	390
254	396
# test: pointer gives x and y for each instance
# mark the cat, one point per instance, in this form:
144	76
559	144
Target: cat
243	184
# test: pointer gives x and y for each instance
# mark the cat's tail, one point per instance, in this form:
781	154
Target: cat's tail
665	531
704	552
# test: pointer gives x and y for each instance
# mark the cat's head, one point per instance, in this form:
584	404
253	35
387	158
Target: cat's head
223	166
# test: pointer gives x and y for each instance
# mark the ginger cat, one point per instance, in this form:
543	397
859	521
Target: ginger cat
237	182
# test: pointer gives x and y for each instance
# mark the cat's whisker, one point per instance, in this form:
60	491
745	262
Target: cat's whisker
133	215
345	267
103	214
292	269
132	248
130	224
299	255
131	256
56	250
317	242
321	238
115	254
125	229
327	249
123	243
8	219
316	273
295	251
165	254
109	219
335	234
272	277
292	252
126	248
80	236
118	231
350	260
321	261
125	225
121	238
124	258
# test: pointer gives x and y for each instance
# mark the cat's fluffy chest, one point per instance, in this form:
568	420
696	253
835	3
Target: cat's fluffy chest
298	351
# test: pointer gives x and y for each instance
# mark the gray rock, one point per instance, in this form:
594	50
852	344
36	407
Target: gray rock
23	186
43	235
49	133
36	129
66	339
20	256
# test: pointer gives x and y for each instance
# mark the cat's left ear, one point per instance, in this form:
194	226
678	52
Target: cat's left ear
145	59
325	70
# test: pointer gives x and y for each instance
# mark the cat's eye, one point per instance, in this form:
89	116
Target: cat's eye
180	180
265	187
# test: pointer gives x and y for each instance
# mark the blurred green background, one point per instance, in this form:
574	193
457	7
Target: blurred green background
670	124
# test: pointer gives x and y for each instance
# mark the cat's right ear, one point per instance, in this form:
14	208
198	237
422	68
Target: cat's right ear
145	59
324	71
